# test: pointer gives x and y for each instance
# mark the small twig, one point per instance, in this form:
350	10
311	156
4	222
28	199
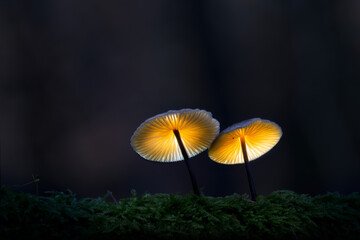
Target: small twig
35	180
22	185
112	196
247	200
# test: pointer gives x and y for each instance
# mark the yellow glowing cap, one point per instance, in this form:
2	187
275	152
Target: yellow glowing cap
259	136
155	139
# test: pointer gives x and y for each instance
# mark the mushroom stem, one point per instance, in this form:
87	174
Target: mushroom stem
248	171
186	157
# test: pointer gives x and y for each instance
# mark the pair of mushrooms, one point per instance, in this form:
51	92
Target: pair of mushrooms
179	135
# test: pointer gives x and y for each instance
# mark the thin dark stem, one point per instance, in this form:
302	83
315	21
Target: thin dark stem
248	171
112	196
186	158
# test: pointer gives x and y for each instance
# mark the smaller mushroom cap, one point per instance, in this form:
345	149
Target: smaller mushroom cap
259	136
155	140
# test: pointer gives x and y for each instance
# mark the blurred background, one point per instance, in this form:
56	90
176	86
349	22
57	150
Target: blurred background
78	77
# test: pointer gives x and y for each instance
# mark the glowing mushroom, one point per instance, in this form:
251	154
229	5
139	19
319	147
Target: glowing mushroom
244	142
175	136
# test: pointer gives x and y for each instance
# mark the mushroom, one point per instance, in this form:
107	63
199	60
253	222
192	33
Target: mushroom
175	136
244	142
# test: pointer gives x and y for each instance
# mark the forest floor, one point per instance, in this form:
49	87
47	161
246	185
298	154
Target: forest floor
279	215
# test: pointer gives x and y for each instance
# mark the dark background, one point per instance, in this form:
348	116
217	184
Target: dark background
78	77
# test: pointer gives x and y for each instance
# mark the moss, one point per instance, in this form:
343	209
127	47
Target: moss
280	215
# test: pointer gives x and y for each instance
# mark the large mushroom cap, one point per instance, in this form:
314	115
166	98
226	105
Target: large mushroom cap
155	139
259	136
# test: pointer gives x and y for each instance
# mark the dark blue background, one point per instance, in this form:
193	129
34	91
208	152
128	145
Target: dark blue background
78	77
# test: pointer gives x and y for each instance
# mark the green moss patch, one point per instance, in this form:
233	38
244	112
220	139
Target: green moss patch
280	215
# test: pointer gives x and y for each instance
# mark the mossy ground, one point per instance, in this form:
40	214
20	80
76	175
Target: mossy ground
280	215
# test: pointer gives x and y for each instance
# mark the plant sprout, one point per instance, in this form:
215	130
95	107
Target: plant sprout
244	142
175	136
